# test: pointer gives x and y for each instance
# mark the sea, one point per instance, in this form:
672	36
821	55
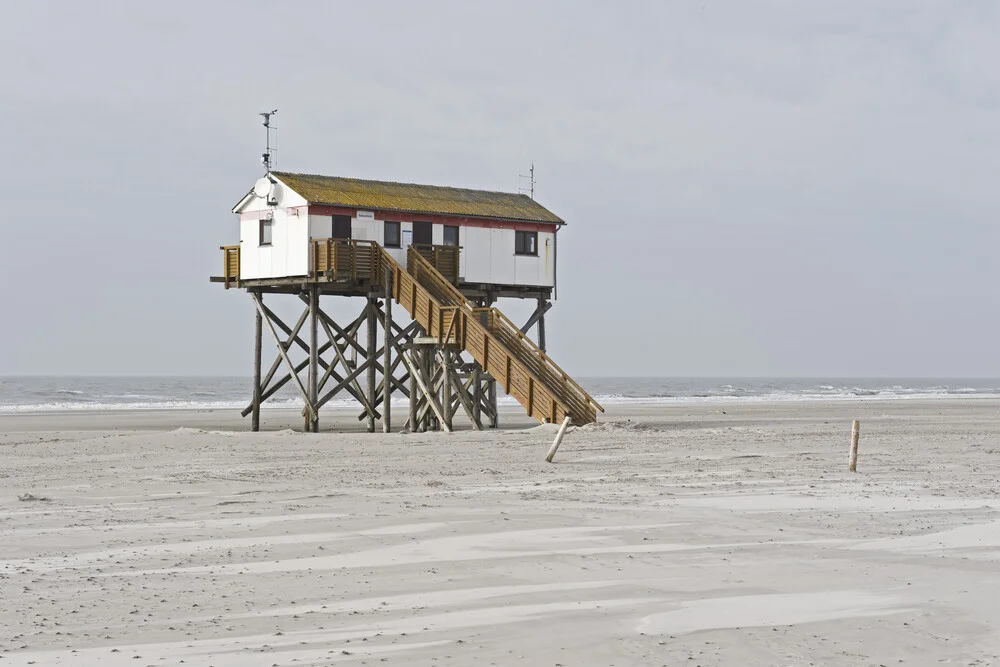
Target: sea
64	394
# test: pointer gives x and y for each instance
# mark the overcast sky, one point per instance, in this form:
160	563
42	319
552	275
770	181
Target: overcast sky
752	187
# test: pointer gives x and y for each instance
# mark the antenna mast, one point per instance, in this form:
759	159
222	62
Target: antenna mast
266	157
531	181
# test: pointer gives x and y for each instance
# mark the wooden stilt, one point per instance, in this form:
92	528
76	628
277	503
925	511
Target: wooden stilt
477	395
541	322
446	393
312	421
370	356
491	383
387	359
257	342
412	417
492	397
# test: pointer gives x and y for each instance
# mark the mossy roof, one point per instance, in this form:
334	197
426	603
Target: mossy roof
413	198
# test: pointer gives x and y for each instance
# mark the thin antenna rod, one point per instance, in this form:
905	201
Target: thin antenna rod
266	157
531	181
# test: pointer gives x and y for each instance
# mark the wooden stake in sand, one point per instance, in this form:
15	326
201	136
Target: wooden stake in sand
559	437
855	432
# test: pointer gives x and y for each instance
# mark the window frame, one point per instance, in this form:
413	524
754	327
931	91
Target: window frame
444	236
423	226
346	222
521	243
392	224
262	224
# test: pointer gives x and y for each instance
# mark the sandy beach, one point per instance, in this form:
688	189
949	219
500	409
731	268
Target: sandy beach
689	534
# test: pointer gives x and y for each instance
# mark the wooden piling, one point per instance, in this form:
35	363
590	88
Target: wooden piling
312	418
559	437
387	359
413	401
855	434
491	396
477	394
257	342
370	356
541	324
446	390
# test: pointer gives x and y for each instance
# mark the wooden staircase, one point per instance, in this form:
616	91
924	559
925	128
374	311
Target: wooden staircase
501	349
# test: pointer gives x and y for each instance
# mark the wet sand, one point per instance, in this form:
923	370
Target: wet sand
718	534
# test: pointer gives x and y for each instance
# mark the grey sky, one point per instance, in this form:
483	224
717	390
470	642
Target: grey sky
752	188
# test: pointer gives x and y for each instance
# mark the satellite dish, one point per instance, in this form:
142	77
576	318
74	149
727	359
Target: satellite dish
262	188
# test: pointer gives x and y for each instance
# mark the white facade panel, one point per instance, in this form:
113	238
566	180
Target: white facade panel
296	243
320	226
367	230
288	253
540	270
501	257
476	260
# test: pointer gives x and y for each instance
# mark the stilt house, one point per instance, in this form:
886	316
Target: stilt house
445	255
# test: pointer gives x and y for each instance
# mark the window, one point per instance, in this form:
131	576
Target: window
423	233
266	231
341	227
450	235
391	237
525	243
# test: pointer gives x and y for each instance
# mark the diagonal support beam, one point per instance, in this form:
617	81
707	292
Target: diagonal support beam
343	362
284	355
537	315
421	380
344	383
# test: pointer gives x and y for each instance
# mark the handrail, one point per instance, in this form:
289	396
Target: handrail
528	358
456	296
466	326
419	261
545	357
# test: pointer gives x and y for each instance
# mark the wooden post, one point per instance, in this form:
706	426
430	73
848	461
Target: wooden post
370	355
430	391
491	385
541	324
413	399
387	360
855	433
312	418
446	358
491	396
559	437
257	342
477	394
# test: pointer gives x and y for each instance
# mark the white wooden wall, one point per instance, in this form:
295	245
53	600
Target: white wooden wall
288	254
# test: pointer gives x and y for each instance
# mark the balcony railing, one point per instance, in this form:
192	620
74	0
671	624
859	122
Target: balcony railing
350	259
345	259
230	264
444	258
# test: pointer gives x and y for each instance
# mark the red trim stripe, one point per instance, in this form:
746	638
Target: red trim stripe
441	219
